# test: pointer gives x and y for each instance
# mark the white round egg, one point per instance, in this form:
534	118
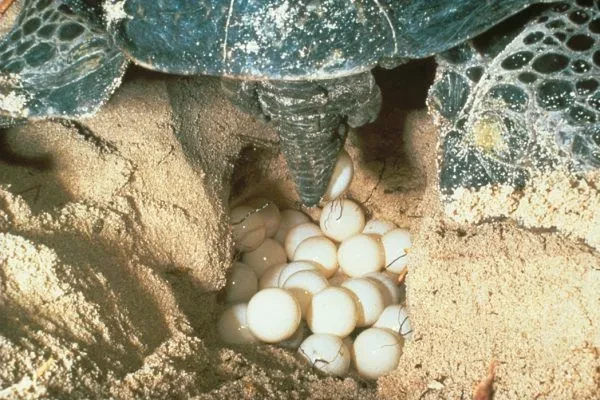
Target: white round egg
268	211
341	219
327	353
289	219
341	176
273	315
303	285
296	266
332	310
320	250
241	285
369	299
395	318
268	254
378	227
361	254
248	228
298	234
232	325
391	291
396	244
377	352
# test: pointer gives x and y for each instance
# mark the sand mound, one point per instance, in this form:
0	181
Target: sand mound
114	241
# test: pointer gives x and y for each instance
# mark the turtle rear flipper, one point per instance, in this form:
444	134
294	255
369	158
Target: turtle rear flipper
56	63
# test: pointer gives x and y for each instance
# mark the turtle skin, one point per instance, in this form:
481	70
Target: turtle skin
56	63
511	112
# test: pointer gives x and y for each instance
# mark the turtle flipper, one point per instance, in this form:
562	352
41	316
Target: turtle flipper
535	108
56	63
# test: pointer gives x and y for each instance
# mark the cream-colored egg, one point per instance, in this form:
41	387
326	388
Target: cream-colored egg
273	315
378	226
361	254
327	353
266	209
390	290
332	311
321	250
248	228
298	234
341	219
289	219
395	318
296	266
377	352
303	285
396	244
268	254
341	176
369	299
271	276
241	285
232	325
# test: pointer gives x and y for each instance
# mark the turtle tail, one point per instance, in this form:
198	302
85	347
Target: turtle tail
312	119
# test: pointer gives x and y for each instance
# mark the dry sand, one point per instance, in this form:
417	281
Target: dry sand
114	241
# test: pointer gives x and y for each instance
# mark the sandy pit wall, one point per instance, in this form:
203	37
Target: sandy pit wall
113	241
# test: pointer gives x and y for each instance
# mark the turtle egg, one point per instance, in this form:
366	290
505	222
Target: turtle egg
248	228
289	219
321	250
327	353
360	255
268	211
341	219
269	253
391	291
303	285
395	318
242	283
273	315
379	226
396	244
296	266
369	300
232	325
376	352
332	311
298	234
271	276
341	176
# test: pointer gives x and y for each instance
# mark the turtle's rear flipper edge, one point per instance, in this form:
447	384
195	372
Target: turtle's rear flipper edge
56	63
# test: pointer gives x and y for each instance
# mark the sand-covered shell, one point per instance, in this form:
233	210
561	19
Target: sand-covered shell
292	40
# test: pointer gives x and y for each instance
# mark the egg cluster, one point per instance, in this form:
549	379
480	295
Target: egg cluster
315	287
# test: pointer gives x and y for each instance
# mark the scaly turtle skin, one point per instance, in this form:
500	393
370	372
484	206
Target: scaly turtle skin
56	63
511	112
297	62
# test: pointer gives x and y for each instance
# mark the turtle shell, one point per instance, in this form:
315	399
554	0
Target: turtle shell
299	39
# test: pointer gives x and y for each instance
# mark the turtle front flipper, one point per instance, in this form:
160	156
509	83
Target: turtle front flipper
312	119
56	63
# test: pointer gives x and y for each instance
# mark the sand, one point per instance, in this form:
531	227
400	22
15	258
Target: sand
114	243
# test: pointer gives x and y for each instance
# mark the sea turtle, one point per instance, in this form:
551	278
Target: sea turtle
516	108
304	64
